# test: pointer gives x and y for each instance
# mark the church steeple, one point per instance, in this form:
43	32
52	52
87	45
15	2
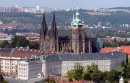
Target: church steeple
44	29
43	33
54	32
54	35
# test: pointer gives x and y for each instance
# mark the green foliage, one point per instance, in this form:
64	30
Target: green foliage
115	44
128	60
96	76
2	79
52	81
92	68
4	44
120	70
49	80
87	76
76	74
19	41
70	75
33	45
92	73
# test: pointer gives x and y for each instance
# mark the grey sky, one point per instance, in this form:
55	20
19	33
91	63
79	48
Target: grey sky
66	3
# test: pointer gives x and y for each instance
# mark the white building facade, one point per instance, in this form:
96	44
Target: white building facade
29	70
9	65
62	63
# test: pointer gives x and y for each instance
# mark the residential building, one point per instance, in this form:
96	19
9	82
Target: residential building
9	58
29	69
123	49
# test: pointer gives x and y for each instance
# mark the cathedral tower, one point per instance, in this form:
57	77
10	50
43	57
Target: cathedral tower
54	35
77	34
43	34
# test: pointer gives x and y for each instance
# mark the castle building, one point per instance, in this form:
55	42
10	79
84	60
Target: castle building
76	40
60	64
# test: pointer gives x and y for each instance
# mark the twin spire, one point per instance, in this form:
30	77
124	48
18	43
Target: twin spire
44	28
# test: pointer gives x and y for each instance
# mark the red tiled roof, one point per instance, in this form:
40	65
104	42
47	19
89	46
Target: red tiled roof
6	54
21	52
107	49
124	49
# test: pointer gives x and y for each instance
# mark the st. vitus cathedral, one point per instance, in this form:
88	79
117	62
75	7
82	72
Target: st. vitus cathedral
75	40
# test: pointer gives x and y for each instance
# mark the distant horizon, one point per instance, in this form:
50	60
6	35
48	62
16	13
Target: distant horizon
59	8
66	4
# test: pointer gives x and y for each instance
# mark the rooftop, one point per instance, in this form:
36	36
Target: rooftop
86	56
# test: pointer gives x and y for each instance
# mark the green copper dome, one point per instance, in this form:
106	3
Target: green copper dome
76	19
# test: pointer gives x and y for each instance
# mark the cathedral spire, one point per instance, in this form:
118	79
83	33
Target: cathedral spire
44	28
43	33
54	20
53	27
54	35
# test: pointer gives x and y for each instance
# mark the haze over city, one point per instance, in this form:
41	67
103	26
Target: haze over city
66	4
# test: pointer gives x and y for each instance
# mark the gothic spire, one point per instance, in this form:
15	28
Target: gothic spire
54	28
54	20
44	29
54	35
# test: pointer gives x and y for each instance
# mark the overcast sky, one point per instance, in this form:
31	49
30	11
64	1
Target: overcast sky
66	3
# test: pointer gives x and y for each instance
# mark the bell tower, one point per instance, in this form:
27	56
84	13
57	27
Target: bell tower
77	34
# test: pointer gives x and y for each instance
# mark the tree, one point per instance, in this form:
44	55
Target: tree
4	44
92	73
112	76
87	76
78	72
52	81
96	76
19	41
70	75
92	68
104	76
33	45
120	70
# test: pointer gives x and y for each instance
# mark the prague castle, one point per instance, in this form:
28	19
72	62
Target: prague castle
75	40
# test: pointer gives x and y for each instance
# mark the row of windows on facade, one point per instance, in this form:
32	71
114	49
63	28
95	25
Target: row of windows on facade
8	70
8	60
8	64
7	67
88	61
22	68
22	72
23	65
22	75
